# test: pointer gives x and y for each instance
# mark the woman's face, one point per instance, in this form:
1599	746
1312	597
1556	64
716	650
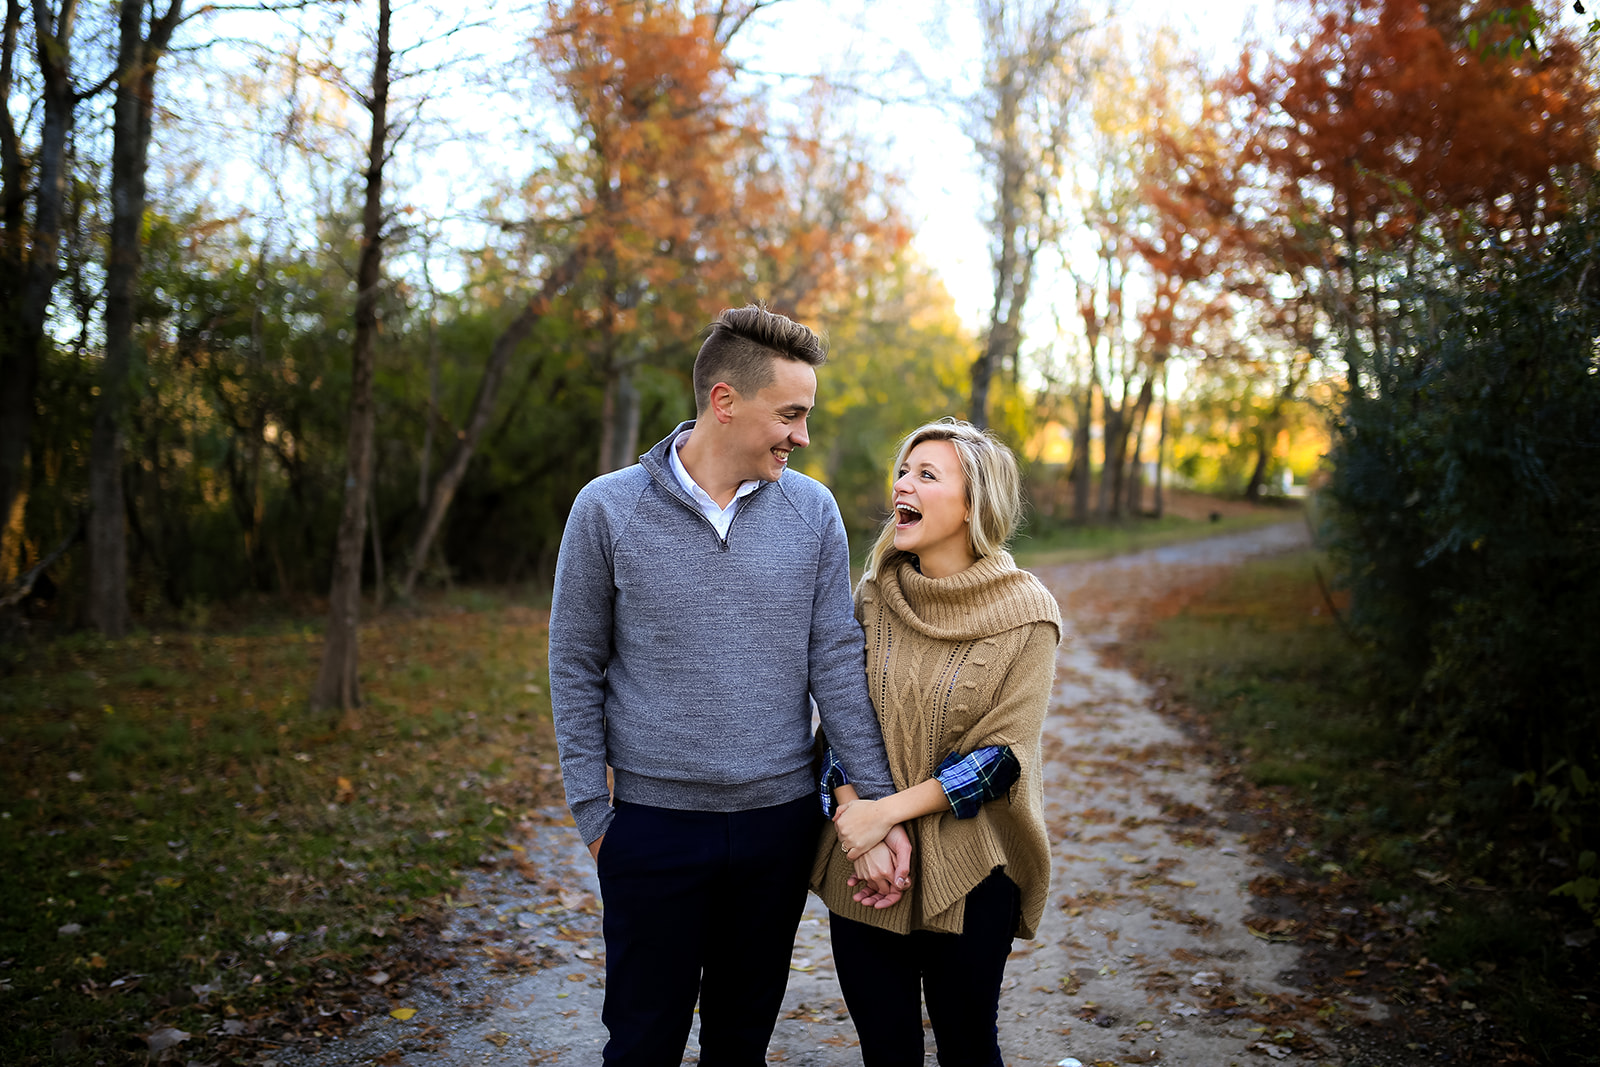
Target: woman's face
930	501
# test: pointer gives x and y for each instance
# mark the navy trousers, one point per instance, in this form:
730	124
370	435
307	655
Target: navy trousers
701	904
885	977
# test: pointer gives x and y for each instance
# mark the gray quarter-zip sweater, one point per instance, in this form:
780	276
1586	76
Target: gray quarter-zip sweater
688	661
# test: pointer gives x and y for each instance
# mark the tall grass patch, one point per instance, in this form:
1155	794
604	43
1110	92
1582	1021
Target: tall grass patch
183	844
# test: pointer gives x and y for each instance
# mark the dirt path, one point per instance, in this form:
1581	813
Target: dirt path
1143	956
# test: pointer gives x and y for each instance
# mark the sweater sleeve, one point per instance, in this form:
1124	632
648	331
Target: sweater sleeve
1016	721
580	646
838	668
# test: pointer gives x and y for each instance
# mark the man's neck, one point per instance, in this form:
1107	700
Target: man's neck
699	458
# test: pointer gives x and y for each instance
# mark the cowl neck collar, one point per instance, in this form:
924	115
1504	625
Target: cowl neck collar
989	597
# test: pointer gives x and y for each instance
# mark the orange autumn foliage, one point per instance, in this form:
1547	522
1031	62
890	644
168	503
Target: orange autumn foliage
1391	113
688	200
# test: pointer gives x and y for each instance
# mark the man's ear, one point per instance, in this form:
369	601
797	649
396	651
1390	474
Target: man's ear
723	398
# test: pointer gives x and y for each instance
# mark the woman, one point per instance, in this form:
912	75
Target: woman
961	649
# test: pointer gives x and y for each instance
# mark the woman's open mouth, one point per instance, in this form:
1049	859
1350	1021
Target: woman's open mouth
906	516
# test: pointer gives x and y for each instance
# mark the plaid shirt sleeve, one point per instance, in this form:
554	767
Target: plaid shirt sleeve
979	776
833	777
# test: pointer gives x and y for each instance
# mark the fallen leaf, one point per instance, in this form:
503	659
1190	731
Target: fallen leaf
402	1013
1277	1052
165	1038
497	1038
344	792
169	882
578	901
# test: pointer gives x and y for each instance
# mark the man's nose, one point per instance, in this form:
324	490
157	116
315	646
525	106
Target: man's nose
798	435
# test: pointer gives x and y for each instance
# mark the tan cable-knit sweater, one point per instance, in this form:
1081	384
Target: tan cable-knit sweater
955	664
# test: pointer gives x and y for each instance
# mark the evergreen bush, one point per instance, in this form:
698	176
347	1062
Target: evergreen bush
1467	519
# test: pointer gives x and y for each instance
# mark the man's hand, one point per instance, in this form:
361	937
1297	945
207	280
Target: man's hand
874	878
884	874
594	847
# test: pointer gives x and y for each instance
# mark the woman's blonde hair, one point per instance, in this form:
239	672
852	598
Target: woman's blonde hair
993	496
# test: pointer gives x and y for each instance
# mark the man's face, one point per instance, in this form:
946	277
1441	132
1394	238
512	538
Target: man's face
768	426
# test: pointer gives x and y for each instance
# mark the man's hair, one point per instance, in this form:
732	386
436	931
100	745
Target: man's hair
739	349
994	490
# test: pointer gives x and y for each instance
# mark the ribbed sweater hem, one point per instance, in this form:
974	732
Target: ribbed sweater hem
711	796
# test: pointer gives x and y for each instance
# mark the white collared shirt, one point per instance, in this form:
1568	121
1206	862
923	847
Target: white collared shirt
721	517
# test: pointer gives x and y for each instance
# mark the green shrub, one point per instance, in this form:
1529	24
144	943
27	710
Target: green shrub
1467	517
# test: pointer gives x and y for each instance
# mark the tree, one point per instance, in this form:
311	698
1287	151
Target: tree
30	249
1190	240
1020	128
338	684
139	51
1393	125
677	201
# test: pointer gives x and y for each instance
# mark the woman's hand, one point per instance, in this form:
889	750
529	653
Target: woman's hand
873	881
883	875
862	824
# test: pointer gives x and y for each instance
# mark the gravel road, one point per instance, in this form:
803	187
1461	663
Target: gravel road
1143	955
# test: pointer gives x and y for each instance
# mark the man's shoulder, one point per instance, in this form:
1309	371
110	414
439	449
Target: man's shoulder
609	501
805	492
615	487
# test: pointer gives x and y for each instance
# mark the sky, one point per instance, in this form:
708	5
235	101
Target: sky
904	65
881	47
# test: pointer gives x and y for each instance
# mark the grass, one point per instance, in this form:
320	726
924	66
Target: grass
1044	544
1268	673
182	843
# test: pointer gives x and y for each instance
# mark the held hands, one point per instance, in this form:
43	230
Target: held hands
861	825
884	874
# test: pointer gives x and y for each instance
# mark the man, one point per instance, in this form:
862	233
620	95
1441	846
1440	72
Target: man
702	599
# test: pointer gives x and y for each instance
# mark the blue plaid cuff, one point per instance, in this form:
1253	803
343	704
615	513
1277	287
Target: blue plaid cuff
979	776
833	777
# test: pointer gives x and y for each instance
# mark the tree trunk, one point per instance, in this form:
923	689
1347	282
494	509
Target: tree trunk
1083	462
1134	482
106	605
338	683
425	456
1141	416
1108	503
30	256
455	468
377	548
619	420
1161	448
1258	477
